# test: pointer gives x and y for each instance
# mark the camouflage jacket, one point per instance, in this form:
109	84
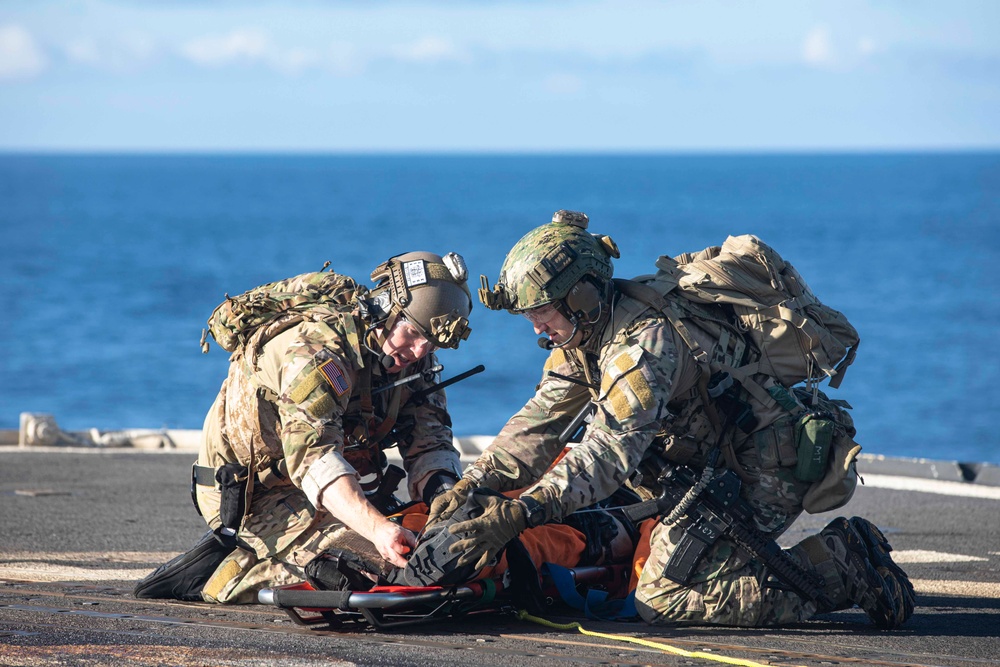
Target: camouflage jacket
646	393
299	399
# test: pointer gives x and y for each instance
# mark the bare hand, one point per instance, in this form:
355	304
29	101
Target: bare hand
394	543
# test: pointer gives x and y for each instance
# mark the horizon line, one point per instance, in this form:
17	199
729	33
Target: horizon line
622	152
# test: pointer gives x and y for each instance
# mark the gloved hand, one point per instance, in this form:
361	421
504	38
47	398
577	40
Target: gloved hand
445	504
502	520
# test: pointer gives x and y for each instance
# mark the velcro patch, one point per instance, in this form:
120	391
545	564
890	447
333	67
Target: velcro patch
335	377
306	387
556	359
414	272
322	406
626	366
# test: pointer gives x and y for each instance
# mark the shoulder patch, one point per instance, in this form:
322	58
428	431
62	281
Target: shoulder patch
335	377
555	359
306	387
322	407
625	367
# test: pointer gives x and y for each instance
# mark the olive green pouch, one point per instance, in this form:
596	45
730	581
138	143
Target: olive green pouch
813	433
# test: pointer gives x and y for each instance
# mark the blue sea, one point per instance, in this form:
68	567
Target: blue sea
112	264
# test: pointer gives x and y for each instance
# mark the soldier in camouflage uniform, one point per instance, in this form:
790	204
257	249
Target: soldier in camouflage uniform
300	423
614	350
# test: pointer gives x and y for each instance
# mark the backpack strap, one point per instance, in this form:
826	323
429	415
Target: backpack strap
672	312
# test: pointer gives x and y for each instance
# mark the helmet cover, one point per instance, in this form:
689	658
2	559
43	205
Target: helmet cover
547	262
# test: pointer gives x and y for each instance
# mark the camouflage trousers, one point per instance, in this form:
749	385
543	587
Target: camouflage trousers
284	532
727	586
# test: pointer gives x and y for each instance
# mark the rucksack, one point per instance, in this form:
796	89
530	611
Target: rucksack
288	301
798	337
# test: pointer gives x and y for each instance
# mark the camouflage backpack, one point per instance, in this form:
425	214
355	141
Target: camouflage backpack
279	305
798	337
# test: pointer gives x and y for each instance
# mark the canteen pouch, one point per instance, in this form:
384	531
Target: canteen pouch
233	480
813	434
840	479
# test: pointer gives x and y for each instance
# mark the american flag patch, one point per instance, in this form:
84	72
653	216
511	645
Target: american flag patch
335	377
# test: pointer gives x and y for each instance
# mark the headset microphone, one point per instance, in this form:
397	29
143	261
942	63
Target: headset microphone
549	344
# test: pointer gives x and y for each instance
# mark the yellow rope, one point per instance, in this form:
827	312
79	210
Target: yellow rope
523	615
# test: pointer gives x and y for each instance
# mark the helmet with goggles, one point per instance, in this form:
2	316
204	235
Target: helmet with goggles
548	263
429	291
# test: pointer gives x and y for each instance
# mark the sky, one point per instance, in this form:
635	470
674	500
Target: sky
473	76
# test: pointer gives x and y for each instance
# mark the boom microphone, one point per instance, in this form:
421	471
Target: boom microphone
546	343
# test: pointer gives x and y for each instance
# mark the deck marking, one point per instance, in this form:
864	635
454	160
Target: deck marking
965	589
921	556
81	565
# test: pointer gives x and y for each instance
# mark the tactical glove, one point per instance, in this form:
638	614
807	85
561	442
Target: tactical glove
484	537
445	504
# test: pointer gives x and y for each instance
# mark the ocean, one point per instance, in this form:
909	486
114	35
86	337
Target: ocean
112	264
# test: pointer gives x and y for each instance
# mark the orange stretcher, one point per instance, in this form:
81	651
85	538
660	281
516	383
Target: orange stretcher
389	607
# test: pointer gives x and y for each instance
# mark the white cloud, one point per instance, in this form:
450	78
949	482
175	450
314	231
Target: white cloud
248	46
817	48
255	47
292	61
125	53
83	50
244	45
429	50
867	46
20	56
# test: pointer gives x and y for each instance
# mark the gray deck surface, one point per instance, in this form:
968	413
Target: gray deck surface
78	529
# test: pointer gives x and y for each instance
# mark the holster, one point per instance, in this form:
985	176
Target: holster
233	479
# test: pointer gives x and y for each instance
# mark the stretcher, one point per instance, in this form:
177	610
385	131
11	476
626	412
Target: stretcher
388	607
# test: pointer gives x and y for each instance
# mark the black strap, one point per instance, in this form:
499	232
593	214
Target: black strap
203	475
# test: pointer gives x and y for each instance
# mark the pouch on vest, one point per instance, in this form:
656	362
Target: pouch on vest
840	478
813	435
233	480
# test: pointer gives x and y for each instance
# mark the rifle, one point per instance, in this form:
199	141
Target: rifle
717	511
419	396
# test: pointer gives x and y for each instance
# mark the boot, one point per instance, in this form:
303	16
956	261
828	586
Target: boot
895	578
840	554
183	577
352	564
431	563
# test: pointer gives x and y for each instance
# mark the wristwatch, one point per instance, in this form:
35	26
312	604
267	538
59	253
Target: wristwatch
534	511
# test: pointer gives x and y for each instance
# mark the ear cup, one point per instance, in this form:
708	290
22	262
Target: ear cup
584	298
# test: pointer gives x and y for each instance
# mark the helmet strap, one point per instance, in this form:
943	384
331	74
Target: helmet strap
373	341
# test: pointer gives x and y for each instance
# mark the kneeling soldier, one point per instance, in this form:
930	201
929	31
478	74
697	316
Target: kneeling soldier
325	375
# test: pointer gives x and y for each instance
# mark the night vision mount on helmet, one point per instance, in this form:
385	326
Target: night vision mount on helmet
428	290
559	263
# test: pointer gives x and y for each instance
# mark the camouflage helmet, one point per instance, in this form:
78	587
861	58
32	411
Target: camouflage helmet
430	291
547	262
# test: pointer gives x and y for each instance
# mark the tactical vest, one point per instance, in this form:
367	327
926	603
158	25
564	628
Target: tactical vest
244	325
